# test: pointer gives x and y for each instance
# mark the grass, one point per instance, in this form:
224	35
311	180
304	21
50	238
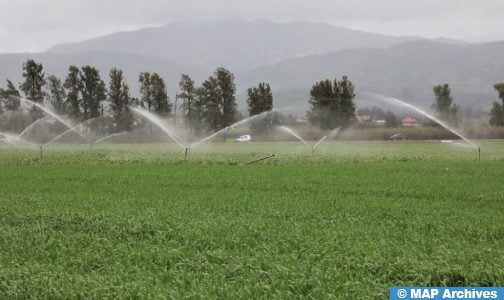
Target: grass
137	222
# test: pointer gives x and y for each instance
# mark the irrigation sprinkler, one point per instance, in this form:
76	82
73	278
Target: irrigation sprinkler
186	152
40	151
319	142
260	159
479	153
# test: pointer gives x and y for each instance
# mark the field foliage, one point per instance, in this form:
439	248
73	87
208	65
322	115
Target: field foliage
348	222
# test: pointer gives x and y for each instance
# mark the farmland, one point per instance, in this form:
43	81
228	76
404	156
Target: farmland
349	221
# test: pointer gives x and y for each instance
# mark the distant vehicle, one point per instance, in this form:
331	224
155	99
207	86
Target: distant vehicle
244	139
398	137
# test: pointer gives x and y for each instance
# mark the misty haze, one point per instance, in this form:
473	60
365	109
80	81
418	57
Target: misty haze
251	149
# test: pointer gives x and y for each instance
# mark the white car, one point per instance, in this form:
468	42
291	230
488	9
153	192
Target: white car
244	139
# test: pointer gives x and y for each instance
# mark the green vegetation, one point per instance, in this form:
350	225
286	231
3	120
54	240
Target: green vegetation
137	221
153	93
332	103
260	100
120	99
217	95
443	104
497	111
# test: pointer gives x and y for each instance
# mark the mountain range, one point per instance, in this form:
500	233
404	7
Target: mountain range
290	56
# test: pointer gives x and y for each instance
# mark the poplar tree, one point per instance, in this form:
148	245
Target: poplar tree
11	97
56	95
346	93
33	74
153	95
160	99
443	104
324	105
2	100
211	103
93	92
332	103
32	85
145	90
188	94
260	99
497	111
120	100
227	89
73	87
218	100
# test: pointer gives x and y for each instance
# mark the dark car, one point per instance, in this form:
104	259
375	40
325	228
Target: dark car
398	137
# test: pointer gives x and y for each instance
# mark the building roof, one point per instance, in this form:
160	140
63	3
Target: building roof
409	120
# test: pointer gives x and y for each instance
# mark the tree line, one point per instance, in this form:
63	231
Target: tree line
210	107
83	95
447	110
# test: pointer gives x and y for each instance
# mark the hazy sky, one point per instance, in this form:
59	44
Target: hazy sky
35	25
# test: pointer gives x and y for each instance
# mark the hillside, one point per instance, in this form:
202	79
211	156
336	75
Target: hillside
408	71
132	65
290	56
237	44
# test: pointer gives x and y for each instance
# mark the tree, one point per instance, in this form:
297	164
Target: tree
218	100
443	104
145	90
93	92
11	97
153	94
188	94
209	94
15	121
325	105
73	86
160	100
56	95
120	100
260	99
2	98
345	91
198	111
227	92
33	74
497	112
391	120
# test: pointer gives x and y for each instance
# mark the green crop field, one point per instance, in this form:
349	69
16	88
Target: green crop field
350	221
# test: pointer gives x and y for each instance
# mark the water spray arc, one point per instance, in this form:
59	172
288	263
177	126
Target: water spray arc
62	134
230	127
10	138
52	114
331	134
109	136
318	143
294	134
183	144
431	117
156	121
31	126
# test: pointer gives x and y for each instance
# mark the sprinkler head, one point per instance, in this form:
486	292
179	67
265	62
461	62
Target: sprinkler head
186	152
